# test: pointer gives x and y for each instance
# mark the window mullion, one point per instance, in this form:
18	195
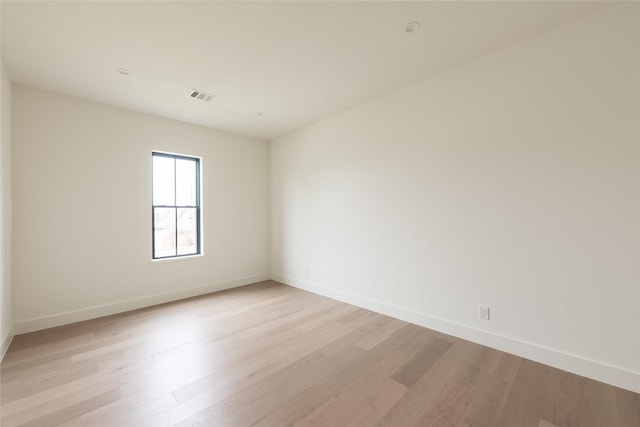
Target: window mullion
175	200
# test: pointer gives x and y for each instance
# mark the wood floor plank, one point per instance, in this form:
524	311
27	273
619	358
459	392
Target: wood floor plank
376	404
263	363
353	314
455	397
214	379
628	407
128	410
598	404
346	365
352	362
16	389
489	400
561	406
410	372
272	356
30	411
343	394
420	397
71	412
524	404
251	404
380	335
254	371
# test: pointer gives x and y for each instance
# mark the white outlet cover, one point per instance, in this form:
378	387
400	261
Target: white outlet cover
484	312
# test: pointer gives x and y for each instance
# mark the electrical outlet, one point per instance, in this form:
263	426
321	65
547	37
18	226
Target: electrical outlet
483	312
306	272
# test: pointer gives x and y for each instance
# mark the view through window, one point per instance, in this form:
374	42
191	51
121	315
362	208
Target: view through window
176	205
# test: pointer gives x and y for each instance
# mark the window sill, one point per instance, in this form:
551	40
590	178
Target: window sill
176	259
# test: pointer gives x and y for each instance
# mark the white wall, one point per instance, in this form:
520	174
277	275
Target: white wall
82	204
511	181
6	320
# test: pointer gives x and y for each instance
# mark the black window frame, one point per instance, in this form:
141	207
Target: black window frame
197	206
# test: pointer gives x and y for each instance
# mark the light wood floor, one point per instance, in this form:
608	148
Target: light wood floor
271	355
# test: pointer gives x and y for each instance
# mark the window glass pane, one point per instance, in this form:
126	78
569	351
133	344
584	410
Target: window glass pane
164	232
175	183
185	182
187	231
163	181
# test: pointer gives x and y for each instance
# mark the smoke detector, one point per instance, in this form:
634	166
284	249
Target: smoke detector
202	96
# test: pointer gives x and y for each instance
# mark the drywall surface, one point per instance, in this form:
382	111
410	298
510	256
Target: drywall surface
6	322
510	182
82	210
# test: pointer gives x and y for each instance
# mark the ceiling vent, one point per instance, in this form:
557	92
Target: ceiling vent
202	96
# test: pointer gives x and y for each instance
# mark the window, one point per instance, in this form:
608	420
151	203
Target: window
176	206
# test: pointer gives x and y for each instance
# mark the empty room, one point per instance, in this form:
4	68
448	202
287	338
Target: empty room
336	213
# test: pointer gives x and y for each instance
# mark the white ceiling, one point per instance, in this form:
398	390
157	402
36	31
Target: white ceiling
294	61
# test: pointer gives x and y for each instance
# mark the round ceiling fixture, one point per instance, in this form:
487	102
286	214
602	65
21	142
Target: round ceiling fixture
122	71
412	27
261	114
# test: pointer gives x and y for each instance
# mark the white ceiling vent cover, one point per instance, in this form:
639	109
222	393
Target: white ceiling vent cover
202	96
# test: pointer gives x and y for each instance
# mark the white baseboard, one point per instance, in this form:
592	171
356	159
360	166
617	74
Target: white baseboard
579	365
36	324
6	342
